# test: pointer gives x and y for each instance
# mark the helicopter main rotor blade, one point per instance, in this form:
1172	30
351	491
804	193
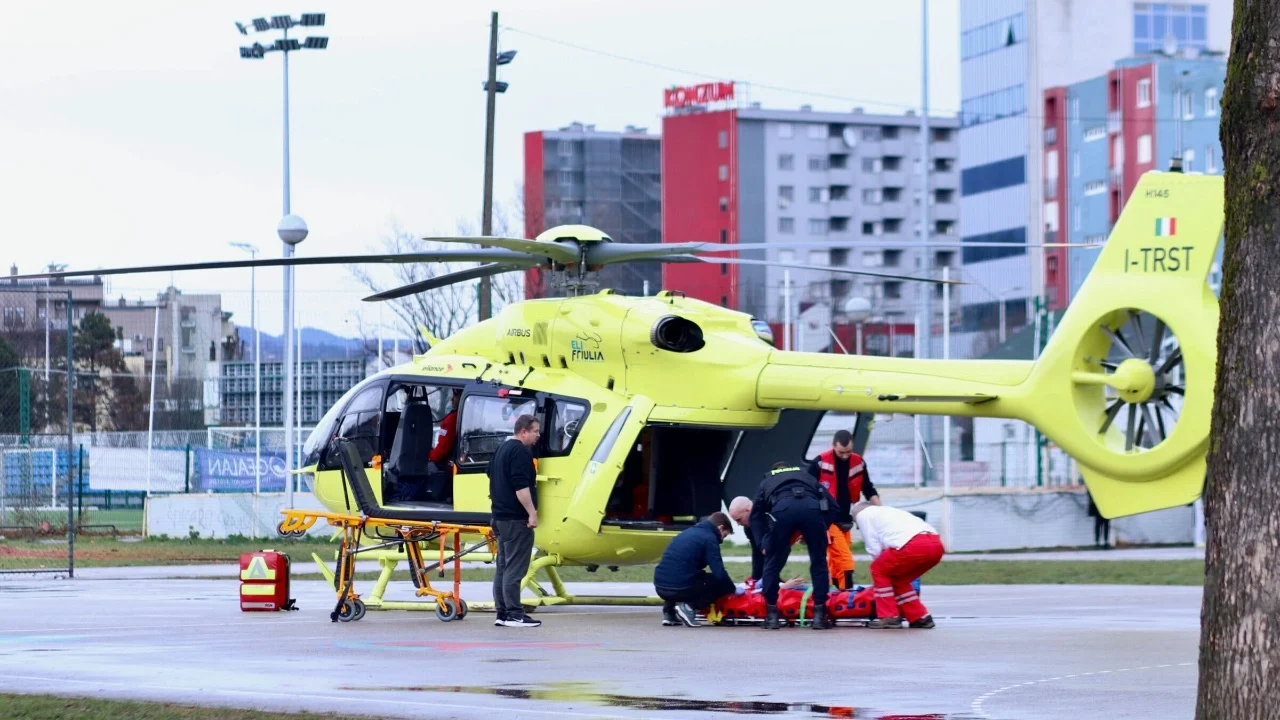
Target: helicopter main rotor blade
478	255
563	254
440	281
853	245
605	253
797	266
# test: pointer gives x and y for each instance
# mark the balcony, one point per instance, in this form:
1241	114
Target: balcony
944	180
1051	188
1116	178
1050	136
893	179
943	149
945	211
841	208
893	210
837	146
1113	121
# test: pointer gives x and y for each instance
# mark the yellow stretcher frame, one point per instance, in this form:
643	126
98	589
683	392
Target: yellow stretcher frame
410	535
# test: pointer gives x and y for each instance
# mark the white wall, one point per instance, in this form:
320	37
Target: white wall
221	515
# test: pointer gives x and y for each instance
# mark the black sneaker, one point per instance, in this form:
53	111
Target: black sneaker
686	615
501	619
669	618
521	620
924	623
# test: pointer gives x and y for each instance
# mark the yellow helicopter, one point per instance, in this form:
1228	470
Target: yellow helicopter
656	410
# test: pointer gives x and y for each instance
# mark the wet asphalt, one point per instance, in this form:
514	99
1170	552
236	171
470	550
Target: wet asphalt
999	652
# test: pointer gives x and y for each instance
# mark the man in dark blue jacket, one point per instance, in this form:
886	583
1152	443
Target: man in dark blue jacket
680	579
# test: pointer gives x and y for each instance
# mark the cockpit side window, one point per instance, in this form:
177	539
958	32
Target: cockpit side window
326	429
359	423
486	422
565	420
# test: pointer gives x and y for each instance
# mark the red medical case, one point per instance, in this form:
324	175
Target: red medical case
264	581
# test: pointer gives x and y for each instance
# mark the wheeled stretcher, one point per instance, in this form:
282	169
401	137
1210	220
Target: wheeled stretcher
849	607
402	529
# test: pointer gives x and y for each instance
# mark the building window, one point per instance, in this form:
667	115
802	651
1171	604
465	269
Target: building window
817	226
787	162
871	165
724	172
993	36
1144	149
816	132
786	194
724	236
786	256
1144	93
1075	164
819	257
993	106
1211	102
1210	160
817	162
1153	22
817	194
993	176
723	138
1097	187
871	196
1188	111
1189	160
784	130
724	204
869	228
786	225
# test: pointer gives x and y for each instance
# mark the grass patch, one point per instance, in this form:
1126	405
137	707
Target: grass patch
109	552
50	707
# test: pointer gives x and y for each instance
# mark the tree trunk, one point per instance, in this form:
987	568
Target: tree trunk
1240	616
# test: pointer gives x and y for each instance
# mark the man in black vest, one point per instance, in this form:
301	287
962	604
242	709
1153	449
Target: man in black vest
791	501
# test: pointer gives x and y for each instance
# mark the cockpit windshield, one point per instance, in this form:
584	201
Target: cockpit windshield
324	429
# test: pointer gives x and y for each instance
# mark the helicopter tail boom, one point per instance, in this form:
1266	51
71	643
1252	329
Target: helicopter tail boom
1125	383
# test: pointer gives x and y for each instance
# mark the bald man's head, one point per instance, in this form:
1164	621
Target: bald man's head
740	510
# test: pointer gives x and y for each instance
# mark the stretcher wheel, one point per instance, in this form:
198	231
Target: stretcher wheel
281	531
447	610
297	534
351	610
462	609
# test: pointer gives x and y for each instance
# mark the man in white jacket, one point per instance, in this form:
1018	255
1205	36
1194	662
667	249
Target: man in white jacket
902	547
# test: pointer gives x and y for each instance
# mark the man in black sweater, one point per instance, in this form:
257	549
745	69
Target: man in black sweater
680	579
513	494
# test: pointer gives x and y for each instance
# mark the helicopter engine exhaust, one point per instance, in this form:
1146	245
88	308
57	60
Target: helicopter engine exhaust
677	334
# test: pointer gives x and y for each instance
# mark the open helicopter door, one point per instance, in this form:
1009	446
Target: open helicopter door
757	450
590	499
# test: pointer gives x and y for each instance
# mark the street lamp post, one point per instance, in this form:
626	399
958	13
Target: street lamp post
257	367
292	229
491	87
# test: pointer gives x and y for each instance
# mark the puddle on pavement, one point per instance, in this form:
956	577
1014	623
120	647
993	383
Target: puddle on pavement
581	692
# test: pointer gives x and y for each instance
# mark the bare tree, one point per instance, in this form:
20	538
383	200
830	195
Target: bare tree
442	311
1240	628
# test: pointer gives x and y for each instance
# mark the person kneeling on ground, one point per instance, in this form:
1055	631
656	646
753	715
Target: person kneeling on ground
902	547
679	577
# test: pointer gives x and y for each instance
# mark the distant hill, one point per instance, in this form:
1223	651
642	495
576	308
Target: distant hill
316	345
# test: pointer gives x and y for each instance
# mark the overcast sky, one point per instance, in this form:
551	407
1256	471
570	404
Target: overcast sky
133	133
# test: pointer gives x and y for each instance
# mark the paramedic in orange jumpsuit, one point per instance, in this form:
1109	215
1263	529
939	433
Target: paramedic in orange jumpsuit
843	473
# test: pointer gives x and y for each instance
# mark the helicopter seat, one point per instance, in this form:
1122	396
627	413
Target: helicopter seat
408	466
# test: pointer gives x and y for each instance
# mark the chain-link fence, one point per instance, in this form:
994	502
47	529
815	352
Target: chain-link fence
39	395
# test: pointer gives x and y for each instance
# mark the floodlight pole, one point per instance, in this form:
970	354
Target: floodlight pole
292	230
486	220
925	234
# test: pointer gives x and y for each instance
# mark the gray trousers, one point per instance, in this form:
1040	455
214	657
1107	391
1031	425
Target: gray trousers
515	550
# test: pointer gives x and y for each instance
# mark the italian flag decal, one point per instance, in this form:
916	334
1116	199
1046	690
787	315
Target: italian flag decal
1166	226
